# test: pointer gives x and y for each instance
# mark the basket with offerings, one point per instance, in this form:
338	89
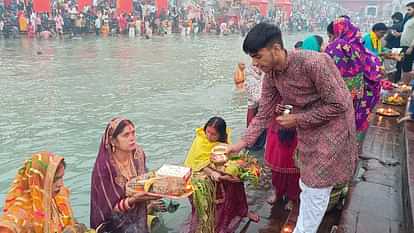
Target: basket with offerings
169	181
242	166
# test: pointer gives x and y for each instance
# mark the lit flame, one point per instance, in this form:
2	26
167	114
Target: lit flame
287	229
189	187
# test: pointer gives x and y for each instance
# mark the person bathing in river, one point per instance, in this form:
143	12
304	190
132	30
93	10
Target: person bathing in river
239	76
119	159
38	201
322	115
231	203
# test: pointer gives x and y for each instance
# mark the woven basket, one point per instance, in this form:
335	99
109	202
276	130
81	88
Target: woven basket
168	187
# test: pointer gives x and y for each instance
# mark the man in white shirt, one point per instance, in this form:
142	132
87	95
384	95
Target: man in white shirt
98	22
407	43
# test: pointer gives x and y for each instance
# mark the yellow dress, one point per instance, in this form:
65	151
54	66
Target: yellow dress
199	155
23	23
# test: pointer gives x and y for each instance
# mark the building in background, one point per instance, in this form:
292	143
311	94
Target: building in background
369	8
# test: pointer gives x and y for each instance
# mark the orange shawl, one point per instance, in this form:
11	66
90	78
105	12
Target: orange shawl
30	206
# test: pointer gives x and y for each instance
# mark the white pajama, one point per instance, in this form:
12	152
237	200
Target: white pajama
313	205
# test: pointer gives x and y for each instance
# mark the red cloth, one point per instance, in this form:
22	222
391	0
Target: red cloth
285	6
286	185
124	6
7	3
83	3
280	156
122	23
262	5
41	6
162	6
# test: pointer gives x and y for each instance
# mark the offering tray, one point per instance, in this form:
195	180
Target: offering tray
163	187
388	112
393	104
395	100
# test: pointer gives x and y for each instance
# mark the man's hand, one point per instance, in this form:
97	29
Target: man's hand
279	109
396	34
287	121
235	148
409	51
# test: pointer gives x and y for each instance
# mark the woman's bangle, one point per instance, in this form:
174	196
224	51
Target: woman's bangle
120	206
127	203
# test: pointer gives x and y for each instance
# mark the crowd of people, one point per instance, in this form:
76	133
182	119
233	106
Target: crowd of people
303	17
144	19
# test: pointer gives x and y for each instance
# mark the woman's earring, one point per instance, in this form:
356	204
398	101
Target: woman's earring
113	148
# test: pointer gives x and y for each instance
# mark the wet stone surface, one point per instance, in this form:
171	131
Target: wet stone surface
375	201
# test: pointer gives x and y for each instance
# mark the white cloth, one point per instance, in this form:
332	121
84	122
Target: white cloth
407	36
313	205
98	23
131	32
253	85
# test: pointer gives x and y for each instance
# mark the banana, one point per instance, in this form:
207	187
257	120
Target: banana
148	184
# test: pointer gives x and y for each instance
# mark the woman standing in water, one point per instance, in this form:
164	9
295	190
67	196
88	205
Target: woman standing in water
230	204
119	159
38	201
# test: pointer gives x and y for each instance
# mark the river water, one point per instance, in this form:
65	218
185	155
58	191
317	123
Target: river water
58	96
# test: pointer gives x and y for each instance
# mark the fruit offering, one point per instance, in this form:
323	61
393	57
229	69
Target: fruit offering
405	88
244	167
394	100
169	181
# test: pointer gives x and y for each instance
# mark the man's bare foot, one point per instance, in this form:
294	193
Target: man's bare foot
289	206
253	217
272	199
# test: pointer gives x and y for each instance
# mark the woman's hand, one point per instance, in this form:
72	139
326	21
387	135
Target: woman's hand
157	205
230	178
141	197
216	176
